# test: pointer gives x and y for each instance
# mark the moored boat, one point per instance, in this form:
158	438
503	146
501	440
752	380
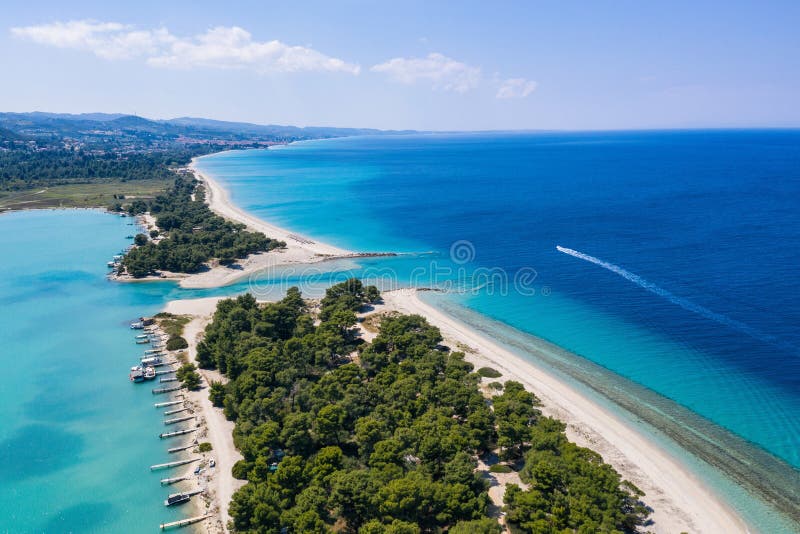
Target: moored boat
137	325
149	373
136	374
177	498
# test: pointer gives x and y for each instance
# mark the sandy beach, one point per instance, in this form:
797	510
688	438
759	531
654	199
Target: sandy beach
217	429
299	250
681	502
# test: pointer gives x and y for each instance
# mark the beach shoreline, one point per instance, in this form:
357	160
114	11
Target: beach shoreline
299	250
681	501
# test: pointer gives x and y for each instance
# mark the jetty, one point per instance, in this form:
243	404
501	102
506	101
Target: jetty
169	379
177	410
165	371
185	522
176	433
174	480
170	403
181	448
176	463
166	390
178	420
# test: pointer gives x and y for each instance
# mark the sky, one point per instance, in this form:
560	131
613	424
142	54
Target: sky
426	65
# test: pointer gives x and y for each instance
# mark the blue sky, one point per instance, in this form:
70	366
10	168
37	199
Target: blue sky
439	65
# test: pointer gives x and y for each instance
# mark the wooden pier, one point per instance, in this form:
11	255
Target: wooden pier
173	464
166	390
178	420
174	480
185	522
170	403
182	448
176	433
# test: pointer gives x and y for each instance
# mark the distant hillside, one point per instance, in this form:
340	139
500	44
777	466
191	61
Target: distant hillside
108	131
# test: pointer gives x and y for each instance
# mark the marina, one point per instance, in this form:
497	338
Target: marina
154	362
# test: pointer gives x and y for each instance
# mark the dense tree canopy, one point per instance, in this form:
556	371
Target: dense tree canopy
341	435
23	169
194	234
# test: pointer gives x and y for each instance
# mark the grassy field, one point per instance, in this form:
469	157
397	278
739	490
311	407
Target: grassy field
100	194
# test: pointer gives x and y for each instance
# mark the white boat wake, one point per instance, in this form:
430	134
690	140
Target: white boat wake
675	299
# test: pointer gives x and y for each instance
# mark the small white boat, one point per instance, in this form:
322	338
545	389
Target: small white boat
137	325
149	373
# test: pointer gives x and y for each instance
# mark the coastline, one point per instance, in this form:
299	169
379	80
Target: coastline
298	250
681	501
217	429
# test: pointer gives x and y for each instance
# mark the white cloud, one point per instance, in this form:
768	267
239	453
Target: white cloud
220	47
441	71
516	88
108	40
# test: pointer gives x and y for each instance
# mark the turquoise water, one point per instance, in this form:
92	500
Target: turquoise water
690	300
77	438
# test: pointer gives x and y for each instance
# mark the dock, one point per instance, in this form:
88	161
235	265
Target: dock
176	463
165	372
166	390
181	448
174	480
170	403
178	410
185	522
176	433
178	420
169	379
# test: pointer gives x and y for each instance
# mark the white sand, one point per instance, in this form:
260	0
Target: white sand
299	249
218	430
682	503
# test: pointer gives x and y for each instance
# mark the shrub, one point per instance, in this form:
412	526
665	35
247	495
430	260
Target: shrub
216	394
477	526
176	343
497	386
500	468
240	470
140	240
205	447
488	372
153	233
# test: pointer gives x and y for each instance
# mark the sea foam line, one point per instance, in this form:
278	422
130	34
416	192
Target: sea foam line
675	299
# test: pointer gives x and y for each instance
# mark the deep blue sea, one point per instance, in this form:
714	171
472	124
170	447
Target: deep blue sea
675	284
